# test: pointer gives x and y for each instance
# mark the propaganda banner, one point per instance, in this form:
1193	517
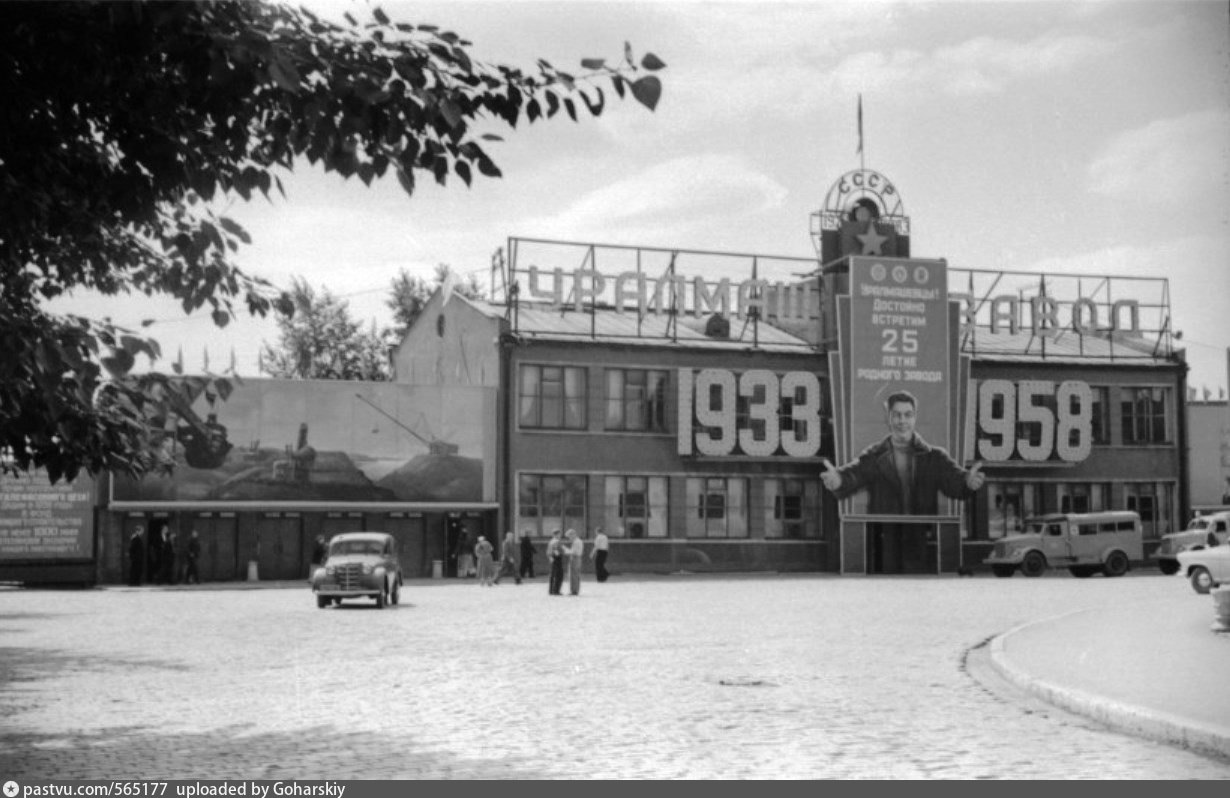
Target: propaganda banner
898	340
44	521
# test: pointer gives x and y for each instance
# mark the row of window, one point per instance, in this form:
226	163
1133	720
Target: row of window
638	506
1010	503
556	397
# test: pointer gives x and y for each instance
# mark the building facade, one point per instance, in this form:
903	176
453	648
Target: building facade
686	402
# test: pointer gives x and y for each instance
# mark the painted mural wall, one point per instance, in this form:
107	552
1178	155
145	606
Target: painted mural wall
328	441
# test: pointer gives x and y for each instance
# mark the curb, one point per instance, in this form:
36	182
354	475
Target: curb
1139	721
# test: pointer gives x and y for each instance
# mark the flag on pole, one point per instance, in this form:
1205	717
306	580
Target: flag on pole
232	368
178	365
860	123
206	351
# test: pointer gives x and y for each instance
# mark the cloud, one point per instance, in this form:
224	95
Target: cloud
982	65
1167	161
667	197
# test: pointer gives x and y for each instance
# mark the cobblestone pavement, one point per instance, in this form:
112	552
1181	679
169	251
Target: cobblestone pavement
685	677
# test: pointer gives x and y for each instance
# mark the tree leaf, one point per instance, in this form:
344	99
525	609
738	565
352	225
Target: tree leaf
652	62
233	227
647	91
593	63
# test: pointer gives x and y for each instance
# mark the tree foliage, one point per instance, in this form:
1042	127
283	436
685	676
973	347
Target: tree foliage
409	294
321	341
123	124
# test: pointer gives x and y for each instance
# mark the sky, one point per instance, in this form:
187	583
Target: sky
1074	138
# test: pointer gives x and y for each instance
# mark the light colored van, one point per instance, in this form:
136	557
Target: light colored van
1084	543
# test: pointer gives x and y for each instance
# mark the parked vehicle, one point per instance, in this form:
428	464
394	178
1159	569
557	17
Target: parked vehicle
1204	530
359	565
1084	543
1206	567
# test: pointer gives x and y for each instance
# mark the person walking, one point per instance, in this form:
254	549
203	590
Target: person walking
465	554
320	553
555	558
508	559
136	557
574	548
193	553
602	547
169	556
486	566
153	558
527	555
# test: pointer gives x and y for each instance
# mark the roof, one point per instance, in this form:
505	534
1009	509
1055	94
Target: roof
360	536
548	322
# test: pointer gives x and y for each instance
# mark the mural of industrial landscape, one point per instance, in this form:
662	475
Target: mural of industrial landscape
314	440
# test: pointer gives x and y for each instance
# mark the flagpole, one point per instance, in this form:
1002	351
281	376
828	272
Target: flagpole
862	166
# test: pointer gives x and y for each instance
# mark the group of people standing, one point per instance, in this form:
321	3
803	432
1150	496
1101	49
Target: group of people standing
565	555
161	560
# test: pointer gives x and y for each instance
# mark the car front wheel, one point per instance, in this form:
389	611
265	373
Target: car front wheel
395	593
1003	570
1081	571
1168	567
1202	580
1033	564
323	601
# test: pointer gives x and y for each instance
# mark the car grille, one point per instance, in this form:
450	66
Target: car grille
1165	548
350	576
1000	550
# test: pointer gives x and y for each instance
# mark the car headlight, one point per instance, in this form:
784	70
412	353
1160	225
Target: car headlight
330	570
368	568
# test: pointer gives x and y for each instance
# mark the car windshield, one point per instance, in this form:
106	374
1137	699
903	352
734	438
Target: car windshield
1199	524
357	547
1035	527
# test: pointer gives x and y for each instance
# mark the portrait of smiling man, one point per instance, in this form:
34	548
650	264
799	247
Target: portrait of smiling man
902	473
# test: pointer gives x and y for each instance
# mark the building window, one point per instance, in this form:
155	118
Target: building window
635	507
1144	415
1082	497
1008	505
547	502
1154	503
716	507
636	400
791	508
552	397
1101	415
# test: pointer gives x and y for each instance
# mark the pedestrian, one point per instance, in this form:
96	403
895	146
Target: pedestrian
508	559
527	555
192	554
153	558
602	547
320	553
574	549
486	566
169	555
465	554
136	557
555	558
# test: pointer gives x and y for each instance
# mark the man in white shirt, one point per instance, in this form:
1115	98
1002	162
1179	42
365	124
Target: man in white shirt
574	550
602	547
